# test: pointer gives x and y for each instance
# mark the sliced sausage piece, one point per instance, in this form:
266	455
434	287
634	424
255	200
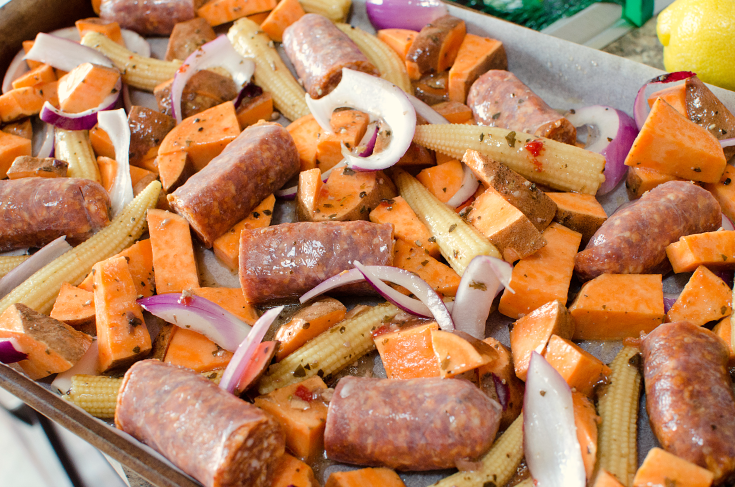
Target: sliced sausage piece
35	211
415	424
634	239
187	37
215	437
259	161
147	130
499	99
148	17
689	396
319	50
287	260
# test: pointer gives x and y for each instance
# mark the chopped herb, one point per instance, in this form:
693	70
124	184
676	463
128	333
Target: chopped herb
635	360
511	138
425	262
136	350
267	212
363	194
452	227
696	169
327	205
609	139
482	136
432	239
723	310
543	393
299	372
478	285
256	214
342	329
727	181
347	171
496	116
724	257
306	325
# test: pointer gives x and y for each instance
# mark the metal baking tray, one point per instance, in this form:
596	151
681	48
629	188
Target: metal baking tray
564	74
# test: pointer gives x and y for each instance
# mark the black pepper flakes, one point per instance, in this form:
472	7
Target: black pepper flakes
511	139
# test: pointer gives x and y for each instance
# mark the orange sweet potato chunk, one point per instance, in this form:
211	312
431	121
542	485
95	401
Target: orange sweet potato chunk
292	472
663	468
74	306
399	40
40	75
458	352
348	128
227	247
476	56
674	95
307	323
543	276
366	477
231	299
616	306
193	350
713	249
586	420
503	370
286	13
406	225
724	191
140	263
580	212
642	179
442	278
173	254
409	353
454	112
218	12
305	132
104	27
582	370
12	146
255	109
705	298
444	180
723	329
101	143
86	87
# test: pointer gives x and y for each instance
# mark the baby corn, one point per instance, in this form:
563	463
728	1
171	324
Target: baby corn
41	289
271	73
381	55
458	241
138	71
7	264
618	409
95	394
74	147
560	166
329	352
334	10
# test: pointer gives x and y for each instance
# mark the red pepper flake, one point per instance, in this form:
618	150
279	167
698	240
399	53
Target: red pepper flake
535	147
303	393
381	331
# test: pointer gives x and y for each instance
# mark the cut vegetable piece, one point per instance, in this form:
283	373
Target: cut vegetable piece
254	110
115	122
108	169
219	12
399	40
409	353
334	10
414	259
230	299
51	346
25	129
498	380
454	112
406	225
74	306
105	27
284	14
86	87
140	264
668	142
174	169
307	323
290	471
444	180
674	96
663	468
366	477
713	249
475	57
122	335
606	479
11	147
724	191
28	101
193	350
140	178
227	247
543	276
40	75
586	420
305	132
705	298
8	263
174	264
301	415
101	142
723	329
30	167
74	147
580	369
96	395
436	47
579	212
257	365
532	332
457	352
348	128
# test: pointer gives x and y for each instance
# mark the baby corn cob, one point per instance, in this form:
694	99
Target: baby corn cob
334	10
7	264
498	465
526	483
271	73
95	394
329	352
41	289
381	55
74	147
458	241
138	71
618	409
560	166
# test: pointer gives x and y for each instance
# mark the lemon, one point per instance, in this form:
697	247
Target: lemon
699	36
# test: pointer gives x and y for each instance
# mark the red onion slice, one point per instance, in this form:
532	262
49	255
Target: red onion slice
36	262
10	351
216	53
468	188
727	143
640	108
115	123
200	315
404	14
483	279
87	365
369	144
46	138
136	43
246	349
612	133
17	68
424	110
550	442
669	300
83	120
727	223
341	279
64	54
382	100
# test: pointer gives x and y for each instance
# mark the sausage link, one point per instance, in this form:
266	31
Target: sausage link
148	17
35	211
499	99
215	437
287	260
259	161
634	239
415	424
319	50
689	396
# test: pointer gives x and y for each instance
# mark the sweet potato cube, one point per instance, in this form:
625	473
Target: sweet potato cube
454	111
409	353
140	264
86	86
219	12
27	46
40	75
532	332
33	167
444	180
101	142
108	171
25	102
674	95
713	249
286	13
173	254
22	128
308	192
543	276
580	369
458	352
305	132
442	278
231	299
11	147
586	420
290	471
406	225
227	247
122	335
642	179
476	56
724	191
498	380
723	329
174	169
74	306
307	323
668	142
606	479
255	109
51	346
187	37
193	350
415	156
505	226
399	40
663	468
348	128
105	27
366	477
302	420
580	212
615	306
141	178
705	298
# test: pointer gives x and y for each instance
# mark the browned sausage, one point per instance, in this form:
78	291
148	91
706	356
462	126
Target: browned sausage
217	438
259	161
148	17
319	50
35	211
689	396
634	239
287	260
415	424
499	99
